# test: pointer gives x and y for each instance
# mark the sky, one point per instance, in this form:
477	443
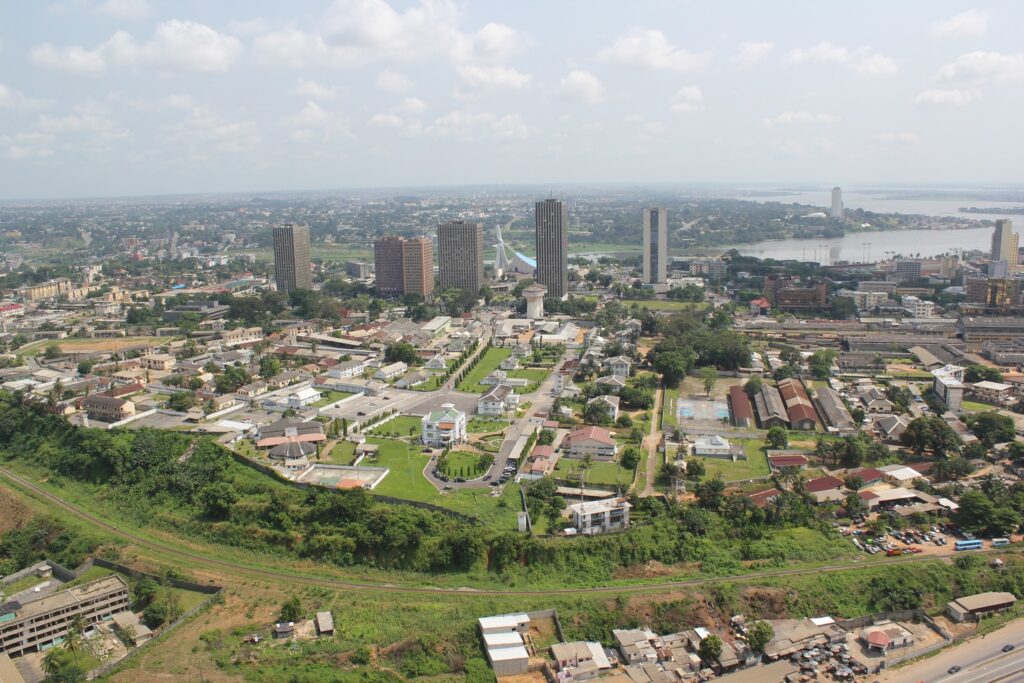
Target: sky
141	97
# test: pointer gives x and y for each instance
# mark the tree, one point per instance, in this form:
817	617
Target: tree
401	352
61	667
753	386
270	366
291	609
842	308
85	367
217	498
931	433
673	366
759	635
991	427
695	468
630	458
777	438
982	373
52	351
708	376
821	362
181	401
710	648
710	493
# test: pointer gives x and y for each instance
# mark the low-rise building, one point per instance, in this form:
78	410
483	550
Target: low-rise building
444	427
499	400
608	403
163	362
390	371
973	607
834	410
771	411
996	393
740	408
600	516
107	408
716	446
596	442
619	365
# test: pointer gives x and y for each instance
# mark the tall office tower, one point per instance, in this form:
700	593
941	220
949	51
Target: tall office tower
460	256
655	245
1005	243
389	264
837	203
552	247
418	257
292	268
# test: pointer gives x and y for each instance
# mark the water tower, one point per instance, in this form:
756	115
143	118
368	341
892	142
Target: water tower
535	301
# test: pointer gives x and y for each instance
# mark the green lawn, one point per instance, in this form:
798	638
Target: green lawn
607	473
666	304
406	480
756	464
668	409
432	384
488	363
329	397
486	425
534	375
21	585
462	464
975	407
343	453
403	425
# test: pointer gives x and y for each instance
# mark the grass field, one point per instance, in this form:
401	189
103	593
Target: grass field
343	453
975	407
462	464
90	345
488	363
403	425
607	473
329	397
756	464
486	425
666	304
668	409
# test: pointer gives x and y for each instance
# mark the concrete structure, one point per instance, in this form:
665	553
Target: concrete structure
655	245
1005	244
444	427
504	644
948	386
325	623
594	441
51	289
552	240
996	393
34	625
535	294
600	516
357	269
907	269
292	266
107	408
460	256
499	400
389	259
418	266
836	211
979	605
715	446
391	371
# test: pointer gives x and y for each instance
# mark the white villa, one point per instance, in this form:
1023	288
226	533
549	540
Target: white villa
444	427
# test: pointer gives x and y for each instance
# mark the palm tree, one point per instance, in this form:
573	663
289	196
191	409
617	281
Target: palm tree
52	663
75	641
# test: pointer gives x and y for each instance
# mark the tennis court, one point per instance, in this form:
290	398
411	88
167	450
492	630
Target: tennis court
696	409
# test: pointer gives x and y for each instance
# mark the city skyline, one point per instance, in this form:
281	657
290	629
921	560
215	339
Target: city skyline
134	97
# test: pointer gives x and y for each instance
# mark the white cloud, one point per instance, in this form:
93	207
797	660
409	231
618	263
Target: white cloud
993	67
688	99
958	98
787	118
752	53
583	86
175	45
314	90
898	138
17	100
125	10
203	131
412	105
649	48
481	77
468	126
862	61
22	146
493	42
969	24
392	81
315	122
386	120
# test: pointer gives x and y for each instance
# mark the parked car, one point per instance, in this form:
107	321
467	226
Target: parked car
1008	647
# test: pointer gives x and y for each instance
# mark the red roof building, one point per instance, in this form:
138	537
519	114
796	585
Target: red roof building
777	462
826	483
741	408
798	405
762	498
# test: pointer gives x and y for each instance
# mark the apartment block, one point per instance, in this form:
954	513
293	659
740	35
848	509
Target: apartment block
460	256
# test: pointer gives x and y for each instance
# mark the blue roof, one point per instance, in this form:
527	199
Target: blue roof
525	259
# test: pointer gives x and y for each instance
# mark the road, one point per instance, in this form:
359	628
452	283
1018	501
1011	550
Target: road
651	442
197	560
981	660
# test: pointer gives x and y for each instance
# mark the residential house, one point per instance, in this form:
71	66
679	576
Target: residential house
499	400
610	405
600	516
501	377
349	368
413	379
580	660
391	371
252	389
637	645
163	362
996	393
619	365
611	384
891	427
436	363
874	400
787	459
596	442
716	446
444	427
826	489
509	363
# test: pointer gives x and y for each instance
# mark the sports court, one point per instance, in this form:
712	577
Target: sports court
342	476
701	410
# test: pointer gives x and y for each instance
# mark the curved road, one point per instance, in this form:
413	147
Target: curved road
239	569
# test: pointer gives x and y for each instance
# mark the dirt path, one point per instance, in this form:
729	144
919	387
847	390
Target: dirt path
651	442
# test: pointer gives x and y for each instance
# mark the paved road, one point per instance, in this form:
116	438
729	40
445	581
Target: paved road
981	660
198	560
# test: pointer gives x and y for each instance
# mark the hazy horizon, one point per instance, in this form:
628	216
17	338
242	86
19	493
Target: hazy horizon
140	98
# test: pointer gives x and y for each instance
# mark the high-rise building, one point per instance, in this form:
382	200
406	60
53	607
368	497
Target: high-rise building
655	245
907	269
1005	244
389	264
837	203
552	247
418	266
292	268
460	256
